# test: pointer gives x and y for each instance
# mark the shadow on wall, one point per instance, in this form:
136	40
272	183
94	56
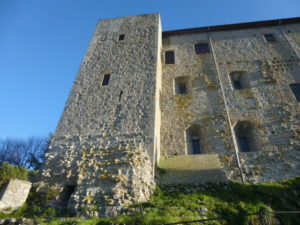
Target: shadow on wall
247	136
196	142
188	176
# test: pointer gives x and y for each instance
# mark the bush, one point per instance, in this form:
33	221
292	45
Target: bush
8	171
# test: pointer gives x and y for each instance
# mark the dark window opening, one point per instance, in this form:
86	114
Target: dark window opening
182	88
237	84
239	80
106	78
120	95
169	57
195	140
296	91
244	144
196	145
182	85
201	48
269	37
66	194
121	37
247	136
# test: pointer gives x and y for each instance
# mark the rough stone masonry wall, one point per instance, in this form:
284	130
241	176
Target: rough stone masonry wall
104	143
202	105
269	67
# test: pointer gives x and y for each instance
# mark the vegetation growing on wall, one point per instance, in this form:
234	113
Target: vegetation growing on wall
185	203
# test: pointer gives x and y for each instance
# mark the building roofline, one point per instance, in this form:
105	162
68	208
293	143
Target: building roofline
264	23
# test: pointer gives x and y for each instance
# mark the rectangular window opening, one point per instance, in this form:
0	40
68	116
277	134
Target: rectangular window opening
121	37
244	144
106	78
269	37
182	88
169	57
196	145
201	48
237	84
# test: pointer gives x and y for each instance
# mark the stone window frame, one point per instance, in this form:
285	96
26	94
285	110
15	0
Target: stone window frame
182	79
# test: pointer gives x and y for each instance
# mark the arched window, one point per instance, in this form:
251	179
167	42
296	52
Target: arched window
182	85
246	136
239	80
194	139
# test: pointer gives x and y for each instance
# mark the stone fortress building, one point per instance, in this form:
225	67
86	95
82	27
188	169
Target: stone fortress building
207	104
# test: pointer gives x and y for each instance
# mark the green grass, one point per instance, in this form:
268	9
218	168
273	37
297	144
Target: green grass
166	207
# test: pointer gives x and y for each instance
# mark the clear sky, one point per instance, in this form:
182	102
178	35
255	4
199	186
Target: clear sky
42	43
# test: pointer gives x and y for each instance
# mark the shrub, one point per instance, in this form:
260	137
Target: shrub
8	171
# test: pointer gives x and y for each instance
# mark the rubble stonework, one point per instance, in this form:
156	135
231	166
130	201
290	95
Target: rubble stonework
110	137
212	102
101	155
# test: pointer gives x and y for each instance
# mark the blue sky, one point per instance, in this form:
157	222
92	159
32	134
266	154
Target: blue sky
42	43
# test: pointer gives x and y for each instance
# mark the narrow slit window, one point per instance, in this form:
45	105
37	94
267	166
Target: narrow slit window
120	96
121	37
269	37
169	57
296	91
201	48
106	78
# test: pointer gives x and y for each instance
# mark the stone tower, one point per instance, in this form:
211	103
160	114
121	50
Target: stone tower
102	153
207	104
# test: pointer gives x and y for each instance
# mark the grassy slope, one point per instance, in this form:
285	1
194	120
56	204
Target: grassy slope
165	206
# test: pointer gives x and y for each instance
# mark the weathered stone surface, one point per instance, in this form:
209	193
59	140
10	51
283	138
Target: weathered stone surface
14	194
110	137
20	221
192	169
264	166
216	107
102	154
